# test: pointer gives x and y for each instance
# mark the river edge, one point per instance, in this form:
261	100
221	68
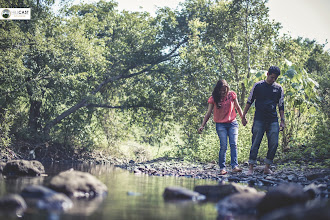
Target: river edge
315	180
301	173
282	173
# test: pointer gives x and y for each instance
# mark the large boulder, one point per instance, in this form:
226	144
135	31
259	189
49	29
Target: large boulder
217	192
44	198
23	168
282	196
78	184
12	205
180	193
300	212
240	204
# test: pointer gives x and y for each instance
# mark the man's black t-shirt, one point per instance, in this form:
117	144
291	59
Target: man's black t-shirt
267	97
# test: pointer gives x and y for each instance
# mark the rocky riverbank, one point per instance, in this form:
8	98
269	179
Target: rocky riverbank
291	192
286	174
296	191
301	174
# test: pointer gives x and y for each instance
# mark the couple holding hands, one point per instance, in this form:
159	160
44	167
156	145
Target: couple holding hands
267	94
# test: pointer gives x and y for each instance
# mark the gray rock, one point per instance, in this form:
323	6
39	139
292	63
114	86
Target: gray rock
137	171
282	196
267	182
313	190
13	205
23	168
180	193
78	184
314	176
217	192
45	198
239	203
291	177
300	212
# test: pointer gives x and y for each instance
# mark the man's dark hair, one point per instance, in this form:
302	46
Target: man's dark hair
274	69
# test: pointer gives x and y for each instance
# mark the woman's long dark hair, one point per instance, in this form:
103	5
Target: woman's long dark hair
217	94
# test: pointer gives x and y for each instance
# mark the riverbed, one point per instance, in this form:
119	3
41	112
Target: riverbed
130	196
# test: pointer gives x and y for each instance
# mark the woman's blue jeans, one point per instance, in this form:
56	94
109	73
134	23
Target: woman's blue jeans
229	130
272	130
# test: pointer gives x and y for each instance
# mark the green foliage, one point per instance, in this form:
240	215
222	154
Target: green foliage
321	138
95	77
6	121
301	99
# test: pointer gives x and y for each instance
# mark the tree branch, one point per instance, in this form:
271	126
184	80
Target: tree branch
83	102
124	106
148	68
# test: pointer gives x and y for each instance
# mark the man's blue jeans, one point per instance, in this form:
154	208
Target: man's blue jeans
225	130
272	131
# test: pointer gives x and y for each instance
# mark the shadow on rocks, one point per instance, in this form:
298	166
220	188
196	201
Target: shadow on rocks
292	201
282	196
242	205
318	211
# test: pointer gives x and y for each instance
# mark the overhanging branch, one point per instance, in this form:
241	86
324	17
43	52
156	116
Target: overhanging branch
124	106
169	56
123	75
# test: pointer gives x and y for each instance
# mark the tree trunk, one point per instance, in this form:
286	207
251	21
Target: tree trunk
237	78
247	39
34	116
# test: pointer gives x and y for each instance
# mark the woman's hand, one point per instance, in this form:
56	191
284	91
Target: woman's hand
200	129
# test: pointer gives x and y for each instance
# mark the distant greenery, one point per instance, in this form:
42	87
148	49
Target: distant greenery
136	86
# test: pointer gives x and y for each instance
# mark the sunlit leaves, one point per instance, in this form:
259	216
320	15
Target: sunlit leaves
61	60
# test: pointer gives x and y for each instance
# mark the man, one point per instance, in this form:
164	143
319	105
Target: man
267	94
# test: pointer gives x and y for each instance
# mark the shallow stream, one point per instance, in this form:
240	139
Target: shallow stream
130	196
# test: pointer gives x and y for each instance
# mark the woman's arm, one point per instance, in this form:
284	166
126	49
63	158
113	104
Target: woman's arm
206	118
246	109
240	112
238	108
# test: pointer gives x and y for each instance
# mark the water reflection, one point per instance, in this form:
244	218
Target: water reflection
14	185
130	196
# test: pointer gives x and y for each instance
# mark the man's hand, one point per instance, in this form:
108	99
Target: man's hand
282	125
244	121
200	130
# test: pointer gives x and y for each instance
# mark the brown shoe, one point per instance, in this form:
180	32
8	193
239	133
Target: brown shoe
236	170
223	172
268	171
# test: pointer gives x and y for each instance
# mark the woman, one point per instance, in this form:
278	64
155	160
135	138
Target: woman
223	103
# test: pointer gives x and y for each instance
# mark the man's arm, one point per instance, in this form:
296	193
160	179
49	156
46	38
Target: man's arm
250	100
281	110
282	124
